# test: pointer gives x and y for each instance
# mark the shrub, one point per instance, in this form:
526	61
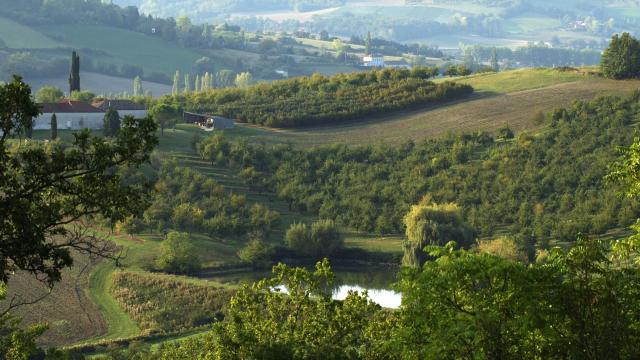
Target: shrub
322	239
177	254
256	253
503	247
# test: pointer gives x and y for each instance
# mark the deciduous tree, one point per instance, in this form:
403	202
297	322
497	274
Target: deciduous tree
50	187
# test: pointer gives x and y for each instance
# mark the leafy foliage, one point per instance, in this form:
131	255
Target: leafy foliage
177	254
537	188
48	94
256	253
578	306
622	59
262	322
164	115
111	123
318	100
322	239
187	200
45	187
430	224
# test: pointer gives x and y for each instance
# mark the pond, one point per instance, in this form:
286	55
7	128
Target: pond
376	280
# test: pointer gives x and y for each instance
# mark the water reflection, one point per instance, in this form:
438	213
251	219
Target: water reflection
376	280
383	297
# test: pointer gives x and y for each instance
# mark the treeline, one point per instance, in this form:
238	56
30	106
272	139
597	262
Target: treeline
393	48
219	7
396	28
535	56
549	186
318	100
181	30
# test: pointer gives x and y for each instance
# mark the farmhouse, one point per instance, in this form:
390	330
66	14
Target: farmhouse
124	107
70	114
210	122
373	61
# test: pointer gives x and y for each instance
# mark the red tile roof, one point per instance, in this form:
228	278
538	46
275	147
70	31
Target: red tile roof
118	105
68	106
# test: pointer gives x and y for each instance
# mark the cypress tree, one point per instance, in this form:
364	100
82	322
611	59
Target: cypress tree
54	127
74	76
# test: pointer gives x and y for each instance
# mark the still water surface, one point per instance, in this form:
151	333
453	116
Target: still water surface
376	280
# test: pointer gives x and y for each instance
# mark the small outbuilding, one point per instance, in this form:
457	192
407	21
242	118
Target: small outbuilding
207	121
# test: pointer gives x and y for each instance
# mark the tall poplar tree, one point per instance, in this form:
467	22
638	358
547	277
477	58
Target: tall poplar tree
137	86
176	83
187	83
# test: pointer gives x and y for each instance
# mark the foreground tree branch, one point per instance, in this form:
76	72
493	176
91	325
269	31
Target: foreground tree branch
44	188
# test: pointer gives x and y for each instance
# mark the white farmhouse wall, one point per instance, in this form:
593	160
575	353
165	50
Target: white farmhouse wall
70	121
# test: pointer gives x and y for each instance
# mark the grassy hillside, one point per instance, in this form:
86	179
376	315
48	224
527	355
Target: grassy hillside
18	36
518	80
513	97
123	46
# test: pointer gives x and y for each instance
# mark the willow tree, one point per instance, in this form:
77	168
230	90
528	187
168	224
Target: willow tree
429	223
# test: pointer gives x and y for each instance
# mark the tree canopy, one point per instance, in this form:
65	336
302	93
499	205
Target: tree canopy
621	60
47	187
431	224
48	94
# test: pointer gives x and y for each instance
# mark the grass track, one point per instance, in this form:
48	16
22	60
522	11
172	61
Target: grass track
120	325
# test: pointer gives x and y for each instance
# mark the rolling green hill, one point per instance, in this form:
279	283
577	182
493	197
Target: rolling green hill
125	47
18	36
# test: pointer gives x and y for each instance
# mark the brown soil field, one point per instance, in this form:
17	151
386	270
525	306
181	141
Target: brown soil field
71	316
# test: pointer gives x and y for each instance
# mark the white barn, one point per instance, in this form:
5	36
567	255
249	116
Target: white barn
123	107
70	114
